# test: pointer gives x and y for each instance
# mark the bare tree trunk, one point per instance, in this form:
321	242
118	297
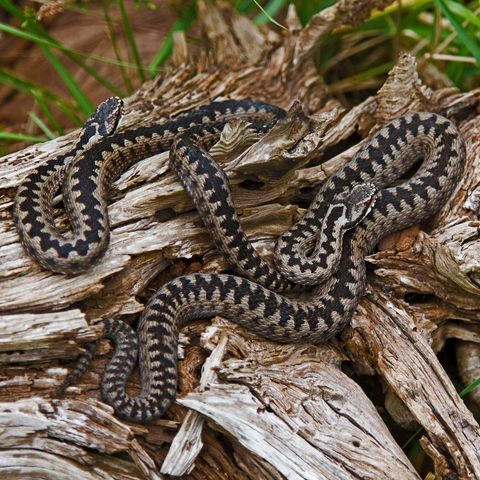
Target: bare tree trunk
260	410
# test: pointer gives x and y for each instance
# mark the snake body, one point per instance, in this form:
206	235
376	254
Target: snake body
362	202
86	178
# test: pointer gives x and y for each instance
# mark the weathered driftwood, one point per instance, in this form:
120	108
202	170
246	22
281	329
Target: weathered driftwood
281	410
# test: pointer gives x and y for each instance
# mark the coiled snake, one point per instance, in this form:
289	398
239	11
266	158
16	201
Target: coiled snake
361	203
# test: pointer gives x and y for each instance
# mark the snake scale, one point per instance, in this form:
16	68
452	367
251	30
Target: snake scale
362	202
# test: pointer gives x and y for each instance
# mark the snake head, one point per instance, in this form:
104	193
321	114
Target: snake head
108	115
101	123
359	201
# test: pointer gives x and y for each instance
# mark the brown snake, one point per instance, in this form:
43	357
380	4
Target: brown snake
365	200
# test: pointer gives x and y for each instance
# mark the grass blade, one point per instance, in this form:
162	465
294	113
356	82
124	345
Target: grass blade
45	45
470	388
165	50
131	40
77	93
51	118
113	39
464	12
306	9
38	35
463	34
42	38
462	394
270	9
20	137
243	6
23	85
94	73
31	37
41	95
41	124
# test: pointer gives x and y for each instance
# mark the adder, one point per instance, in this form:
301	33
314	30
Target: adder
362	202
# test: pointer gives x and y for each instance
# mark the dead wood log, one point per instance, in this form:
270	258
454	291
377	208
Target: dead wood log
272	411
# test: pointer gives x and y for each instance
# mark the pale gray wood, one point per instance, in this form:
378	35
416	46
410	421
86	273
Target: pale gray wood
288	411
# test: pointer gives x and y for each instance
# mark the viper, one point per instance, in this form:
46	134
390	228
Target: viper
371	196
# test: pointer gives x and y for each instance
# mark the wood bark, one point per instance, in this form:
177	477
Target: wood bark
258	409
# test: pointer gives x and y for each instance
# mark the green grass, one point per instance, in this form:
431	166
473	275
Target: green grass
412	446
184	21
445	32
19	137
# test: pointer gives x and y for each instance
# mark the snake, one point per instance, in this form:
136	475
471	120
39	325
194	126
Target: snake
373	194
